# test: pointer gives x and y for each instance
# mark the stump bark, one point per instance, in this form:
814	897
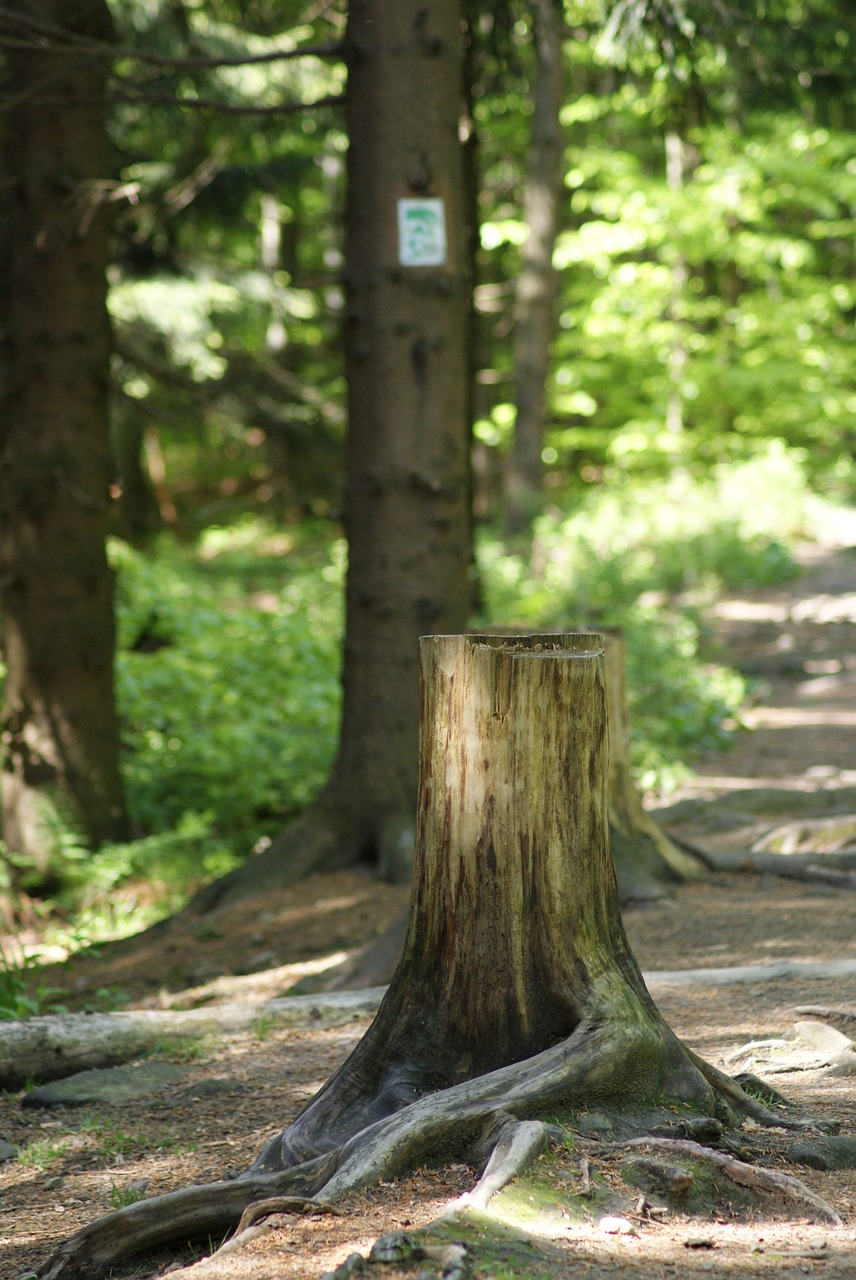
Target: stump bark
648	863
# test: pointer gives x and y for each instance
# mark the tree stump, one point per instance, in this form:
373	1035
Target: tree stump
647	862
516	994
515	938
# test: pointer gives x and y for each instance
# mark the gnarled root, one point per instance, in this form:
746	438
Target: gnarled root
603	1062
739	1171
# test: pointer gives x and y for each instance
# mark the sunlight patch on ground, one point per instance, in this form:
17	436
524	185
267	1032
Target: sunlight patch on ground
826	608
265	983
751	611
793	717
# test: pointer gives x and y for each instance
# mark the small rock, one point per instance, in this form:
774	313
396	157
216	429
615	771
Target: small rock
832	1152
7	1151
593	1124
108	1084
398	1246
616	1226
354	1265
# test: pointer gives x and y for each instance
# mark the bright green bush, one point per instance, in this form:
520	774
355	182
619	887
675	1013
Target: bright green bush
228	704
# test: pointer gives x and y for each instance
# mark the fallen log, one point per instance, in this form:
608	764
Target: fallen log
835	869
58	1045
765	972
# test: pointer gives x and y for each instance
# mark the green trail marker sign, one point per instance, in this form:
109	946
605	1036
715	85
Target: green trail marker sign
421	233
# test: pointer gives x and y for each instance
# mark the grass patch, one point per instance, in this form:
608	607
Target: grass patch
42	1153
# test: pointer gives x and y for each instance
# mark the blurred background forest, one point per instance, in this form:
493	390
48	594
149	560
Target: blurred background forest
663	384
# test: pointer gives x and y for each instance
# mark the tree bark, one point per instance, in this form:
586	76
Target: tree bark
647	862
407	472
59	732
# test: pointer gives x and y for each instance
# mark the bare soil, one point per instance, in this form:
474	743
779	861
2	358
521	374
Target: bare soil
796	761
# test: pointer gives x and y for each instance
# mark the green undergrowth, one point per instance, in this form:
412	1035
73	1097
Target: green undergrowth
22	992
651	559
229	650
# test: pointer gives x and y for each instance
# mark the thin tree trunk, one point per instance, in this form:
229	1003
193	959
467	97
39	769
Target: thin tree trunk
535	304
59	732
138	517
676	170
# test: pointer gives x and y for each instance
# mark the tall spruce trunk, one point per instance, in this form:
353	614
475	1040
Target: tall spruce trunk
59	731
406	340
407	508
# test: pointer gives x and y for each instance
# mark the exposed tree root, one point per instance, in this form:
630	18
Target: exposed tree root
836	1013
813	1046
743	1103
747	1175
517	1145
610	1065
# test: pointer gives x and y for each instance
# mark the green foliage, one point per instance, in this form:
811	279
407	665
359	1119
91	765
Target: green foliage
228	693
21	996
110	1139
224	336
718	298
121	1197
228	704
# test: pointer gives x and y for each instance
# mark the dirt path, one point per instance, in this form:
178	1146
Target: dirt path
798	762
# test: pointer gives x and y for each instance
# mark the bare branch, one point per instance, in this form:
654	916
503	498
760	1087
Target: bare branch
211	104
49	37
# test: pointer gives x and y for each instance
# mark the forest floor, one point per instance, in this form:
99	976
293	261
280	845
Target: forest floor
795	765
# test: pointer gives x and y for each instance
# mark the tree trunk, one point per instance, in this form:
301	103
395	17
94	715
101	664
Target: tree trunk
535	303
515	940
407	474
139	519
59	732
